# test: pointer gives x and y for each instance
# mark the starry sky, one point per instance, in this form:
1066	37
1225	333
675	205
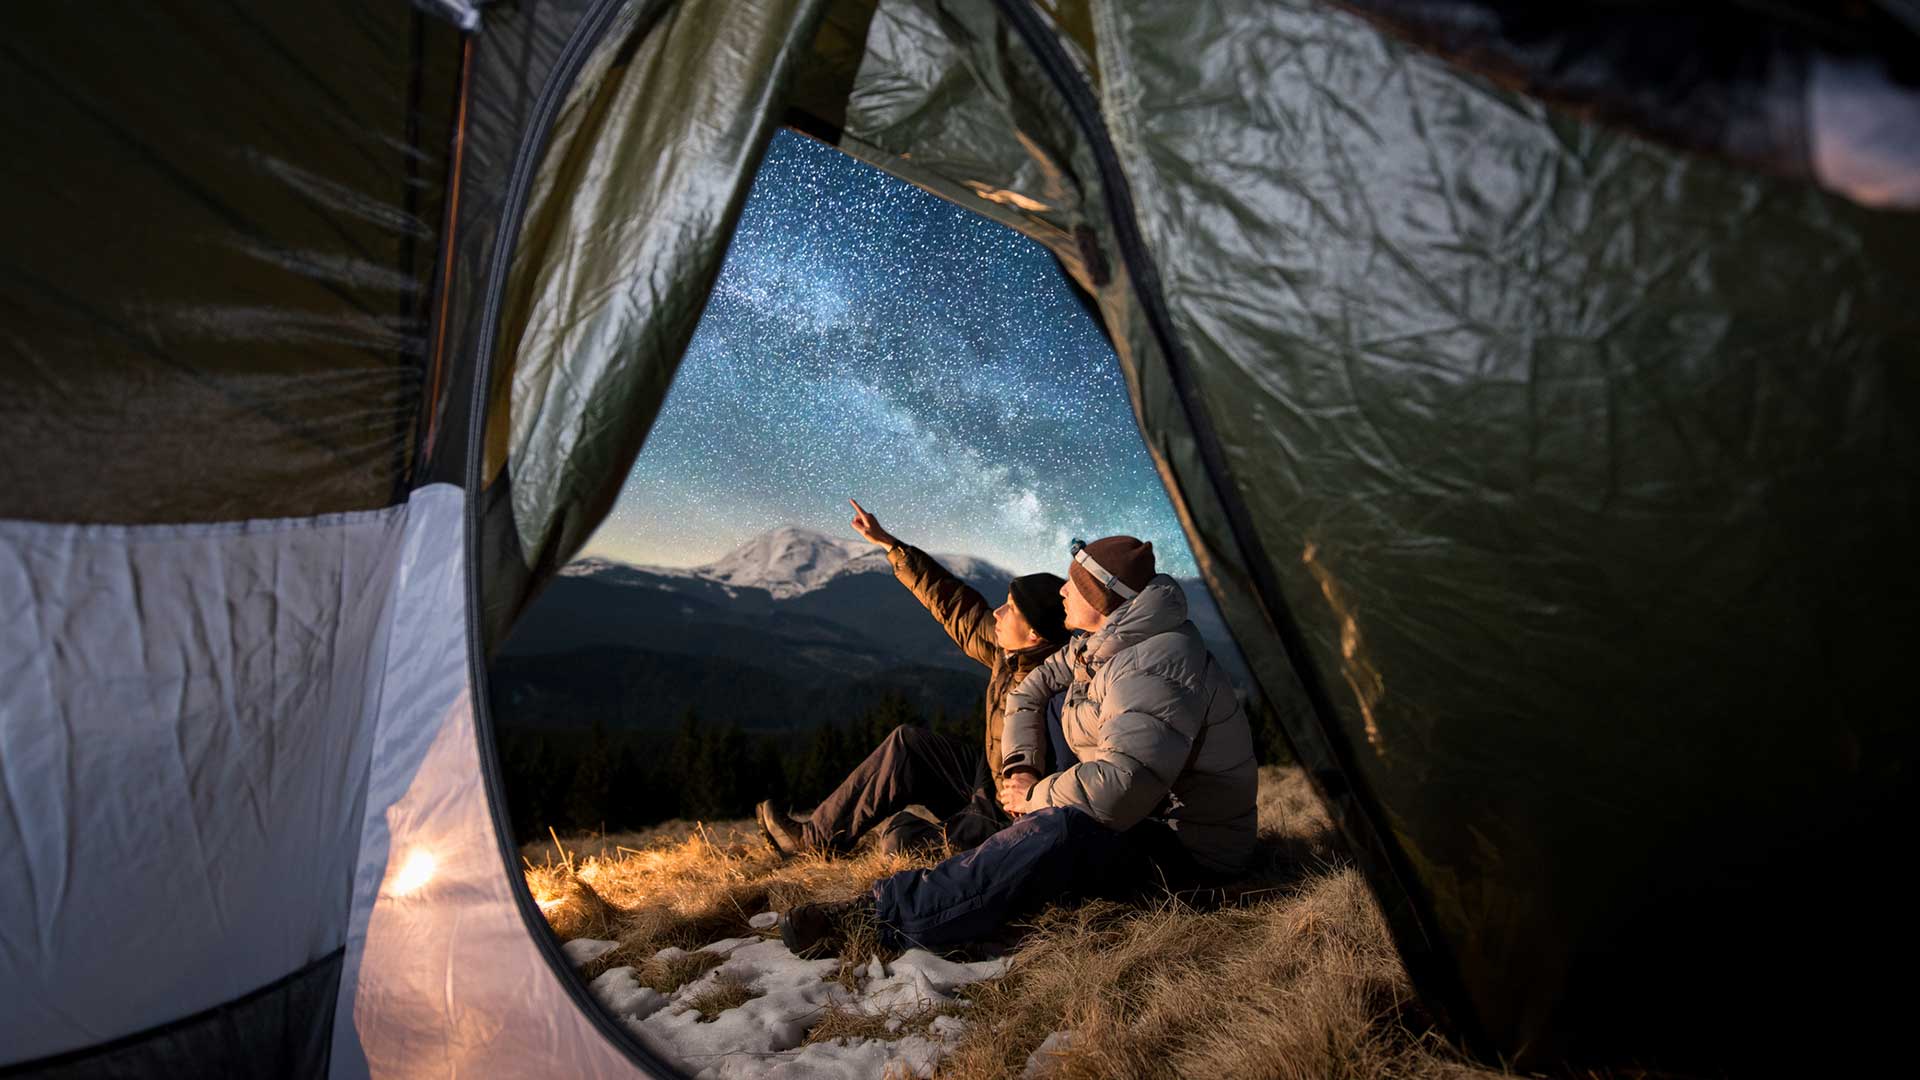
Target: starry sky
867	339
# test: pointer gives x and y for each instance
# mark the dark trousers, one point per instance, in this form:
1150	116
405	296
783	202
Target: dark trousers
911	765
1050	855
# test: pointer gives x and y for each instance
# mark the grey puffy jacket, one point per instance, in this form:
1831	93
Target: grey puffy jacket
1155	723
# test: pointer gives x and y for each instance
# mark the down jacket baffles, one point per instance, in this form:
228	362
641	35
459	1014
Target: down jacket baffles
1154	721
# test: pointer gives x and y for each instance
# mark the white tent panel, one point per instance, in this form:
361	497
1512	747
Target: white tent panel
442	978
185	716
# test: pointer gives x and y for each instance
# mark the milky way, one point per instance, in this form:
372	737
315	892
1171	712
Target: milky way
866	339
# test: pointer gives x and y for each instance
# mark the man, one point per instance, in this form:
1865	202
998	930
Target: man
955	784
1162	792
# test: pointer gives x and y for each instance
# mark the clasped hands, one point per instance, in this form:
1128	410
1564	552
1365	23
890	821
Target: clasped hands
1014	791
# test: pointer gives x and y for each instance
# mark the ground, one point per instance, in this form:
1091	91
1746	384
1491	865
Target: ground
675	931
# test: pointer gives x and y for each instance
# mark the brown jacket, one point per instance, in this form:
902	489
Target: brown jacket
968	619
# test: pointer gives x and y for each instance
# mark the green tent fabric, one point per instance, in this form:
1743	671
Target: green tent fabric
1521	424
1539	397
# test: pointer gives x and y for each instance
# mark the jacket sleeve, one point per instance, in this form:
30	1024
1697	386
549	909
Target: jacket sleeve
962	611
1023	731
1143	746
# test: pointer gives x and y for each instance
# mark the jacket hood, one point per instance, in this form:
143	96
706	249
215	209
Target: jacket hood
1160	607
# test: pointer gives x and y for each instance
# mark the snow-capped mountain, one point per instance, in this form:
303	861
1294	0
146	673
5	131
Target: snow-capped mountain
786	562
791	560
791	628
813	605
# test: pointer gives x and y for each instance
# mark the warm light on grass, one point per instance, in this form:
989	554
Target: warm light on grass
1296	980
414	873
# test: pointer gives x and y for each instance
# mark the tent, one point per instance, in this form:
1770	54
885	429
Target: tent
1536	384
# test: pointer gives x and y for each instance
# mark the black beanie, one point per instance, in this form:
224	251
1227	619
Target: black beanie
1037	597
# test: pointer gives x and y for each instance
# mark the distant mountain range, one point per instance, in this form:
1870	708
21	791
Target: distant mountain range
791	561
792	614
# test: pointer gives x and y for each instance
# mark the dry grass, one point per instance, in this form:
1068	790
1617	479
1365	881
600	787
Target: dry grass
667	973
1305	986
726	992
1293	976
690	887
849	1023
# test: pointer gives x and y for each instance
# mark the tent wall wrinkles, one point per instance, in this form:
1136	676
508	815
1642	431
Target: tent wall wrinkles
1580	470
221	235
442	974
623	232
185	718
1587	468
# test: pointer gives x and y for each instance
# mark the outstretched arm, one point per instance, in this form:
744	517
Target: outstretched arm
962	611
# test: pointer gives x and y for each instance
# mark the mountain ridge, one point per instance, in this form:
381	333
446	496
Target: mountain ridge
787	562
811	606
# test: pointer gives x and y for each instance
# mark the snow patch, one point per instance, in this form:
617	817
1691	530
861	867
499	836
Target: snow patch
851	1059
621	994
585	950
762	1037
791	995
920	980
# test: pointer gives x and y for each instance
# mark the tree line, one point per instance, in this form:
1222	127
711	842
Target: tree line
610	780
602	779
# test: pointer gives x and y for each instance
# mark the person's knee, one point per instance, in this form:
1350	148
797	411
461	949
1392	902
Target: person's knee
907	833
1061	819
1049	825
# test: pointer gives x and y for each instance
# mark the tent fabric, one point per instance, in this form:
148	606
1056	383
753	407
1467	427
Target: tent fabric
282	1029
193	752
1551	435
1864	137
1559	486
232	221
1450	378
507	65
442	964
1711	77
623	236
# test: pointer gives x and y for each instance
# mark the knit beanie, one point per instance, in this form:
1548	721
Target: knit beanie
1037	598
1111	571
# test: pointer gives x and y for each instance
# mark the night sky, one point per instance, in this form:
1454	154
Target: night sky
869	340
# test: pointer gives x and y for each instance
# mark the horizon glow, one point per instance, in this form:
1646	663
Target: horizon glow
866	339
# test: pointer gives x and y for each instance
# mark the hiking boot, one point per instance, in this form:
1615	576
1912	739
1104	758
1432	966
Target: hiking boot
781	830
812	931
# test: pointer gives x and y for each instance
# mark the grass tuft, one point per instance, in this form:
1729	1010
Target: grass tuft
669	973
844	1022
727	992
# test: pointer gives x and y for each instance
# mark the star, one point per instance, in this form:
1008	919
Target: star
867	339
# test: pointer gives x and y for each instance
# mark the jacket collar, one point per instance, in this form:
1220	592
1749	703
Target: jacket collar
1160	607
1024	660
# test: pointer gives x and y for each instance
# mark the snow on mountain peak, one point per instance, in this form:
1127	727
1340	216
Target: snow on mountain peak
787	562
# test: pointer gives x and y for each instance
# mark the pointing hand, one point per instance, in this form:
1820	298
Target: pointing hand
868	527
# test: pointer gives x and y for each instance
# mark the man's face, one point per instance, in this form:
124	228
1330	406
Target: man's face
1080	614
1011	630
